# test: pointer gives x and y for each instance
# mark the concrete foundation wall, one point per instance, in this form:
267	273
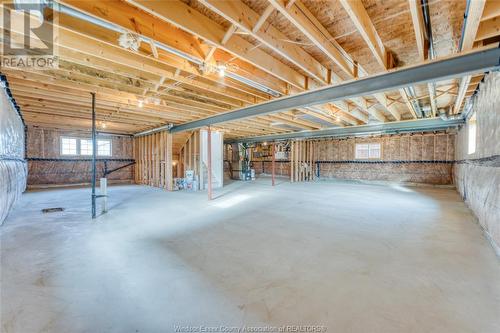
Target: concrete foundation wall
414	158
45	143
425	158
422	173
477	175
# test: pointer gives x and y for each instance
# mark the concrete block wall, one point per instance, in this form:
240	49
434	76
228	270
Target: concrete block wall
477	175
45	143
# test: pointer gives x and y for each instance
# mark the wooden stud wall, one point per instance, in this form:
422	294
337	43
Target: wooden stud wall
190	155
302	160
153	155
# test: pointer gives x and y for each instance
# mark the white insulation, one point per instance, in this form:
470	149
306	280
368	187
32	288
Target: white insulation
13	168
479	182
217	140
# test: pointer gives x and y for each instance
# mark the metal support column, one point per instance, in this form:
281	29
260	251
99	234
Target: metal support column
273	164
94	154
209	162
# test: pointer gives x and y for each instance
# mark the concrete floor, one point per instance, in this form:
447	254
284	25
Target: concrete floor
350	257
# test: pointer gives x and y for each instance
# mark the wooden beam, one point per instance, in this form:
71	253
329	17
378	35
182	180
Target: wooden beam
321	116
181	15
406	99
382	99
302	19
469	36
488	29
491	10
245	18
210	53
365	27
474	15
262	19
153	48
241	15
342	105
289	120
422	46
260	127
189	84
340	115
363	105
159	31
232	29
418	27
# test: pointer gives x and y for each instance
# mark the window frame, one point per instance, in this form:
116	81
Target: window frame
369	144
61	145
79	146
110	147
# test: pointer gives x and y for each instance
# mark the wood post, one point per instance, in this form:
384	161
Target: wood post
273	163
209	162
302	161
169	180
292	161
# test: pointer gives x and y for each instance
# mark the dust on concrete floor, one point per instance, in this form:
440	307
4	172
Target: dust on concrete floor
350	257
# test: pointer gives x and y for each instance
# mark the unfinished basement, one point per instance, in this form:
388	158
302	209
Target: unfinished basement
250	166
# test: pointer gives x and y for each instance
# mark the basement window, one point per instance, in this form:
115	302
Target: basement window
104	147
68	146
472	130
83	147
367	151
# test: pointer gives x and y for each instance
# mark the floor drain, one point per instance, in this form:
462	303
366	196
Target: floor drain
52	210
